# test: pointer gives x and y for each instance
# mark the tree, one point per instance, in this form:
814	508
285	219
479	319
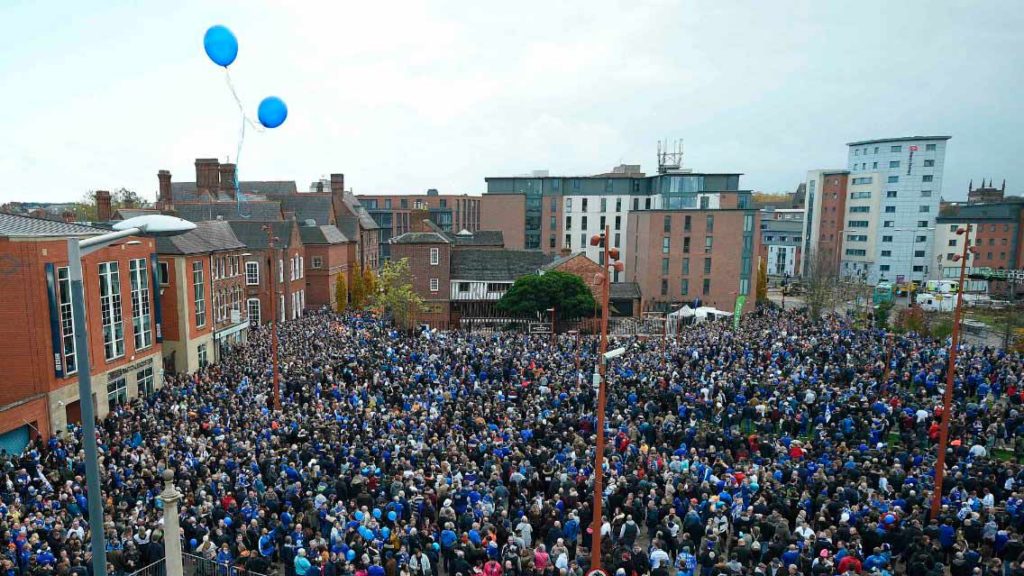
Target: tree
357	290
396	295
762	281
369	284
85	209
341	292
823	286
539	292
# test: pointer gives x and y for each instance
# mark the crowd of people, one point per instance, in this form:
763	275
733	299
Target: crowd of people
786	446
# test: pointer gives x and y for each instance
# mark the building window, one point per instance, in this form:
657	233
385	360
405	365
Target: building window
616	244
686	245
110	307
707	243
144	380
647	204
929	163
253	306
926	193
922	223
748	222
744	286
918	253
618	222
497	287
890	209
926	178
707	265
618	204
684	287
686	266
664	266
142	323
918	268
165	274
891	194
707	286
896	149
874	165
568	204
664	287
883	268
686	223
604	201
886	253
584	204
862	180
923	209
862	209
583	222
434	285
888	224
463	286
280	270
893	179
67	321
603	223
855	252
894	164
199	293
636	203
665	243
568	240
710	223
204	358
667	224
280	308
568	222
252	273
318	262
886	238
117	391
860	195
929	147
551	241
435	256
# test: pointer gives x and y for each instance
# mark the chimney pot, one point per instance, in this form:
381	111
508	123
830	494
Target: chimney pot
163	199
227	178
207	175
337	183
103	207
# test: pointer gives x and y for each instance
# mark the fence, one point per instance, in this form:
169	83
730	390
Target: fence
199	566
157	568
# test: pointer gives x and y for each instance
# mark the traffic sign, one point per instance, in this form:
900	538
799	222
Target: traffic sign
540	328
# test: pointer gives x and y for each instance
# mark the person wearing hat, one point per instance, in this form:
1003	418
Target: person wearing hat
822	564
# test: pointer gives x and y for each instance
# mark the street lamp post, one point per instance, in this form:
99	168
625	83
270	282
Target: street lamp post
150	225
271	239
610	254
947	395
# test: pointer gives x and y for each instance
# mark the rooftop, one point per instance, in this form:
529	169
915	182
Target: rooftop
421	238
208	236
15	226
624	291
326	234
900	139
256	210
496	265
254	236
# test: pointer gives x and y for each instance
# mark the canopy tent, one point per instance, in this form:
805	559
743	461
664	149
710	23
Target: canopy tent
687	315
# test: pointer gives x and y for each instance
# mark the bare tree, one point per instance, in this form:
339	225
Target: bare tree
824	289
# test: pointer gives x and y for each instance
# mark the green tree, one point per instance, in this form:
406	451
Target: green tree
762	281
539	292
396	295
85	209
357	291
341	292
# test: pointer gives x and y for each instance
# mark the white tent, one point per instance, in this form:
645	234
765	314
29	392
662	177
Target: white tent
678	318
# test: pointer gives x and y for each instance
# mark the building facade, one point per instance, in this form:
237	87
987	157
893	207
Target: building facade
906	173
825	195
678	256
996	233
277	269
202	285
782	241
328	254
430	257
396	214
39	386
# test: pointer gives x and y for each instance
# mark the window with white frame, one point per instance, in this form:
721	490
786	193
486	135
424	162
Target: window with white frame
280	270
434	285
199	293
110	310
144	380
142	318
302	266
252	273
204	356
435	256
67	321
317	262
117	391
280	308
253	306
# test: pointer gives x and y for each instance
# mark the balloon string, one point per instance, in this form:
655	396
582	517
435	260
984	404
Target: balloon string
241	138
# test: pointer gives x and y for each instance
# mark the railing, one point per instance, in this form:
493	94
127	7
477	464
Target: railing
199	566
157	568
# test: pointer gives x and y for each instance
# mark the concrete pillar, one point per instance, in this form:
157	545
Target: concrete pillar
172	532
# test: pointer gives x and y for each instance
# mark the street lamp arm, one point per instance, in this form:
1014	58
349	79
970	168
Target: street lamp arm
94	243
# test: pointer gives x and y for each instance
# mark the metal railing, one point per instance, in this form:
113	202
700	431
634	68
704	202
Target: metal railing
199	566
157	568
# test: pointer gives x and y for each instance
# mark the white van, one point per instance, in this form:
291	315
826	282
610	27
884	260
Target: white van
936	302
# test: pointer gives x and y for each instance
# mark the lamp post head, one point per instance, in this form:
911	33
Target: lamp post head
156	225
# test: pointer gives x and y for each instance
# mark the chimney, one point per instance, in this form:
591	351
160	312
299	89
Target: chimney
207	176
337	182
103	210
227	179
163	197
68	216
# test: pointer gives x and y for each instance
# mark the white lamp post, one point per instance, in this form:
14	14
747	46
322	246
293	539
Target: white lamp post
149	225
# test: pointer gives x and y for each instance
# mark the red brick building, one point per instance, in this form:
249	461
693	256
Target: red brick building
678	256
328	253
429	255
202	285
399	213
505	213
39	386
285	260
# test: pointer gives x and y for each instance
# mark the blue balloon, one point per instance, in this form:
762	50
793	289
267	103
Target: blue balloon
435	546
193	543
376	513
366	533
350	555
385	532
392	516
360	515
227	520
221	45
272	112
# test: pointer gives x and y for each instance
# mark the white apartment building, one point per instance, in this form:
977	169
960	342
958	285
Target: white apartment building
906	187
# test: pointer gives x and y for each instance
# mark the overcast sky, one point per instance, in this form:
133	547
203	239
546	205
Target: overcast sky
408	95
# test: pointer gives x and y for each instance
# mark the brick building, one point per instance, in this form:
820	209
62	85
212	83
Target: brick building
677	256
430	255
202	285
997	234
286	260
782	242
39	385
397	214
505	213
327	254
825	219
